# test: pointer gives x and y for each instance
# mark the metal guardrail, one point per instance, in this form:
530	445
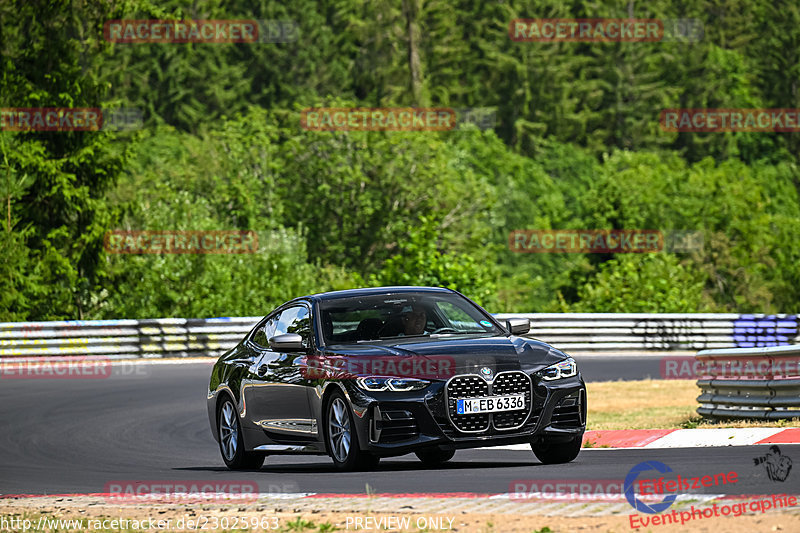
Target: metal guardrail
750	383
120	339
179	337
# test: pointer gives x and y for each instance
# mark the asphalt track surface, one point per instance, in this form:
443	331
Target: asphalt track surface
622	367
149	422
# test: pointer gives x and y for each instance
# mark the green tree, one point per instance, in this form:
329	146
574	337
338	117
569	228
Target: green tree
50	57
421	261
647	283
359	194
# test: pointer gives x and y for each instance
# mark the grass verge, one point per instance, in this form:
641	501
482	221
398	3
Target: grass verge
656	404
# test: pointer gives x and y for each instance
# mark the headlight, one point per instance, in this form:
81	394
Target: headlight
563	369
373	384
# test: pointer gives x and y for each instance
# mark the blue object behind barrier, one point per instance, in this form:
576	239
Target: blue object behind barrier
751	331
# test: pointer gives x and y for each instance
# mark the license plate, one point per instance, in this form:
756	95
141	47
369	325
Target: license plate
490	404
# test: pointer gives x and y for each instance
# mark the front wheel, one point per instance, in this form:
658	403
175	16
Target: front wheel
231	443
550	452
342	438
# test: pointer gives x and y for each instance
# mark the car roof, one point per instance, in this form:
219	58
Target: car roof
371	291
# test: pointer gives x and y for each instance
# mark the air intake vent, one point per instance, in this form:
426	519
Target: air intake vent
569	411
395	426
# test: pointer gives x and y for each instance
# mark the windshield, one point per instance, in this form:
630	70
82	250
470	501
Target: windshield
392	316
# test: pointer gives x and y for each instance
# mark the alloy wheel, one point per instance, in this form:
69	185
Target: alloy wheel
228	431
339	430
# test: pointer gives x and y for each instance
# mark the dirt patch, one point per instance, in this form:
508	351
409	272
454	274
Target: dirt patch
93	514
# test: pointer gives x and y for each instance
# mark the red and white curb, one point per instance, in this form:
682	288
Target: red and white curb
680	438
691	438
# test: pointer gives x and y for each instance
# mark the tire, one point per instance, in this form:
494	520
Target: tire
551	453
342	439
231	443
434	457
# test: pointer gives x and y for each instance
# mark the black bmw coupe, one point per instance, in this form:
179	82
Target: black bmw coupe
368	373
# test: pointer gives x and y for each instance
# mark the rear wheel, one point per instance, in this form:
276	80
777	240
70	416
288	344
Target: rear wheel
555	452
342	438
434	457
231	443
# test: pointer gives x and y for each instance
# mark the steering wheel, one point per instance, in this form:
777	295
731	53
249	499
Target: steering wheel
440	330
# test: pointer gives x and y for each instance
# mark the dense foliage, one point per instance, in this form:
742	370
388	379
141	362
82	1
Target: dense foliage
577	144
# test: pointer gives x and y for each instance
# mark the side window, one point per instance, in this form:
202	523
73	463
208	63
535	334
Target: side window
269	328
456	316
265	332
295	320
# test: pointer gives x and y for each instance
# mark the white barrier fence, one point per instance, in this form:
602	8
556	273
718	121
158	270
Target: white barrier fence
161	337
180	337
659	331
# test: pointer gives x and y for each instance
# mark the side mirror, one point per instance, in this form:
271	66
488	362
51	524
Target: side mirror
518	326
288	342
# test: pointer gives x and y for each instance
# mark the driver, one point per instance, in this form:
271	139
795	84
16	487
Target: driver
414	321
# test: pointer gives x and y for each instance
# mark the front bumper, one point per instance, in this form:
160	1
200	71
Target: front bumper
396	423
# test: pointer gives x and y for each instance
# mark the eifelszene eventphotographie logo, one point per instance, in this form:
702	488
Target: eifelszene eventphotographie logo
656	486
630	494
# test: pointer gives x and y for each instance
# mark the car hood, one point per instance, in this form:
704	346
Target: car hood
442	358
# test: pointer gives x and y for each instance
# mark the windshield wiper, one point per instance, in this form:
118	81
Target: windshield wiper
393	338
429	335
